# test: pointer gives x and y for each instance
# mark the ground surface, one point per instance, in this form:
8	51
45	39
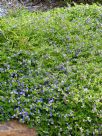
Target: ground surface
13	128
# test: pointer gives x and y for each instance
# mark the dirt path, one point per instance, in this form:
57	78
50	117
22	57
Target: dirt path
14	128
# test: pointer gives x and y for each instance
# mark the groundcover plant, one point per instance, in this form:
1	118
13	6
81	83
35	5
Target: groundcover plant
51	70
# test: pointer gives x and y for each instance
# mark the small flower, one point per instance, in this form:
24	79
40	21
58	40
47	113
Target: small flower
18	102
39	100
50	114
42	91
22	93
25	113
51	101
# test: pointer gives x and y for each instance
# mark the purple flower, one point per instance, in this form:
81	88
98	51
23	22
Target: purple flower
51	101
26	113
50	114
22	93
18	102
39	100
42	91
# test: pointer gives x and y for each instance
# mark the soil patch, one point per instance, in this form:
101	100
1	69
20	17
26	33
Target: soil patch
14	128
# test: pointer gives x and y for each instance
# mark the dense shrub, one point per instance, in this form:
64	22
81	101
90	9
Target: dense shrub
51	70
